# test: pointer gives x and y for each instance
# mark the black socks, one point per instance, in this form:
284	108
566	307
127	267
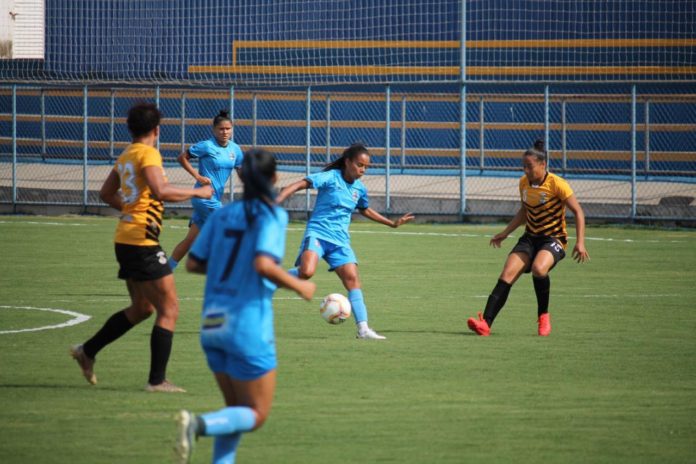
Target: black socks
160	349
496	301
117	325
542	287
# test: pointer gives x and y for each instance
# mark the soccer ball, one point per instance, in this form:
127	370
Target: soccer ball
335	308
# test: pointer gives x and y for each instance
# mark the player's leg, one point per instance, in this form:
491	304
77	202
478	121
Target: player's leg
307	259
348	273
248	405
161	293
130	264
184	246
550	254
515	265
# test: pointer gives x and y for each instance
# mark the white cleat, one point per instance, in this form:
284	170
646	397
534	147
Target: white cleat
369	334
85	362
164	387
186	436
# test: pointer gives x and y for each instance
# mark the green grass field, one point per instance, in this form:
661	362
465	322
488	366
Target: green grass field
614	383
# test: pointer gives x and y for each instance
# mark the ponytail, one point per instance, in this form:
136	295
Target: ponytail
349	153
258	169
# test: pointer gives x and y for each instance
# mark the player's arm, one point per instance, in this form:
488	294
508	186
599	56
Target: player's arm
184	160
373	215
196	266
268	268
109	191
579	251
519	219
292	188
167	192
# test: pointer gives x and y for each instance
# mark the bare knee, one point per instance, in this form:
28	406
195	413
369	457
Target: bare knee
539	271
306	272
260	419
167	315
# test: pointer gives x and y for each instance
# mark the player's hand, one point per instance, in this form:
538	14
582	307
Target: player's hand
580	254
408	217
497	240
306	289
205	191
203	180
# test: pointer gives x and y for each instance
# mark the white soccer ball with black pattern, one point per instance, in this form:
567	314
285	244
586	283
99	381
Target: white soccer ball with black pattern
335	308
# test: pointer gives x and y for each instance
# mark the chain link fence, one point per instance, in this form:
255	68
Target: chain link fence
628	155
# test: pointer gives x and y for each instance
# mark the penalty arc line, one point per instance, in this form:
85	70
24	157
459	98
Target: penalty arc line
78	318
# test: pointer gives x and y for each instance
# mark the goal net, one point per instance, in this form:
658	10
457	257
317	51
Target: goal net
308	42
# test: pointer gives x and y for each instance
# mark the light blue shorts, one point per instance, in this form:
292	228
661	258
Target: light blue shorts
201	212
240	368
335	255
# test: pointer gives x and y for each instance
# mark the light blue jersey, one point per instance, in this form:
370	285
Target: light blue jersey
336	201
237	310
216	163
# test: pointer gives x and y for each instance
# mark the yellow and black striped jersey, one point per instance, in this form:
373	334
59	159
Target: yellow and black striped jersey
141	216
545	206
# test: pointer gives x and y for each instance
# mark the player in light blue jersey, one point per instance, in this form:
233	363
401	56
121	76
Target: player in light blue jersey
217	157
340	192
239	249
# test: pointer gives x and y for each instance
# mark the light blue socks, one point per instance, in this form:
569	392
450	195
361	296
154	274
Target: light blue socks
358	303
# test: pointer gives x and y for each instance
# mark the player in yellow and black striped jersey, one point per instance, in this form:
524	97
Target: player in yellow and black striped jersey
544	197
137	187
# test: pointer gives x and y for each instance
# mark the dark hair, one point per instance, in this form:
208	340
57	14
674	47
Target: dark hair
539	145
349	153
540	155
258	168
223	115
142	118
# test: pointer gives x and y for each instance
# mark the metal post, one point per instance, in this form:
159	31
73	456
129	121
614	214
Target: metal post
253	118
462	110
634	192
564	140
387	148
647	138
112	111
85	146
328	128
183	122
403	133
231	180
14	148
157	103
308	140
546	127
482	143
43	123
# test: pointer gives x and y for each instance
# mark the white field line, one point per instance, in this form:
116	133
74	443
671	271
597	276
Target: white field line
77	318
377	232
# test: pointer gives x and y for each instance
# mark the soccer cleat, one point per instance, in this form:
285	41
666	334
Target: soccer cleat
164	387
369	334
85	362
544	325
186	439
480	326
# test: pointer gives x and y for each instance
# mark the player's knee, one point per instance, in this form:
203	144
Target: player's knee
539	271
306	272
261	417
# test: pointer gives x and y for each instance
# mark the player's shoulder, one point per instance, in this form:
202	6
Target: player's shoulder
139	152
555	179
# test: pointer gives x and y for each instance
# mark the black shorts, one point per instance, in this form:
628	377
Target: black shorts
141	262
531	246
